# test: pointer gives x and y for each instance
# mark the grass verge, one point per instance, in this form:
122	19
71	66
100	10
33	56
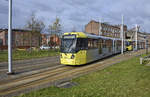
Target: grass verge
125	79
20	55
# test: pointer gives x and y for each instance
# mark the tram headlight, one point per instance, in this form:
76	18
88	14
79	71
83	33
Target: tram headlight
72	57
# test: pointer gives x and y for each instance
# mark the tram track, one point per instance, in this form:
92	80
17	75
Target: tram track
15	84
31	62
32	78
27	67
29	74
60	73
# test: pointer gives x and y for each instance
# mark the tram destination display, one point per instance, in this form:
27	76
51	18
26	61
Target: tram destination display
69	36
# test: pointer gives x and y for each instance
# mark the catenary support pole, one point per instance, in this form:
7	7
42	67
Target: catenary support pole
146	43
10	38
100	27
136	37
122	35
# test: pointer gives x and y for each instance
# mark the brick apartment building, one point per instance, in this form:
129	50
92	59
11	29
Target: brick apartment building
20	38
55	40
104	29
44	39
51	40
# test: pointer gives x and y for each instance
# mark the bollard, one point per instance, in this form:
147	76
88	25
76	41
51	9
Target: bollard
141	59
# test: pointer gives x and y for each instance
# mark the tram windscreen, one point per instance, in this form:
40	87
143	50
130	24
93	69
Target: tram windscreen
68	45
128	43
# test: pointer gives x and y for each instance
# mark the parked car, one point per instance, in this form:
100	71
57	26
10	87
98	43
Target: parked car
43	47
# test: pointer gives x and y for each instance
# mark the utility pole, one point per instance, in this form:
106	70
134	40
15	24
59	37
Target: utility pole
136	37
100	27
10	38
146	45
122	35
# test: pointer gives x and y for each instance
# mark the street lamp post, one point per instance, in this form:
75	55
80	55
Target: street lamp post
10	38
122	35
146	46
100	28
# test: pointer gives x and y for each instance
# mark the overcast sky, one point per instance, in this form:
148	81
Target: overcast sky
77	13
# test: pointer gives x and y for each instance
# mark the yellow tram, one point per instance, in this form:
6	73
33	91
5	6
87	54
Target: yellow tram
79	48
129	45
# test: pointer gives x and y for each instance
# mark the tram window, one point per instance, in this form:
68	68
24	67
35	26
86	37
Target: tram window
92	43
89	43
127	44
104	43
85	43
95	43
82	43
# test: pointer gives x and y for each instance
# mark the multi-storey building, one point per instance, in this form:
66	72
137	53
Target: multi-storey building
141	36
51	40
104	29
44	39
55	40
20	38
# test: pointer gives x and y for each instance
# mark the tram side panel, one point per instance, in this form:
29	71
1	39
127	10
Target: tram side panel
118	46
103	49
92	51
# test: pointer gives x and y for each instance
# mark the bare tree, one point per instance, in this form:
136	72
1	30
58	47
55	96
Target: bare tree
55	28
35	26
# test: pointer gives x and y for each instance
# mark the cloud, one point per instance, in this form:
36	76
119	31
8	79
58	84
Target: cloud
77	13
